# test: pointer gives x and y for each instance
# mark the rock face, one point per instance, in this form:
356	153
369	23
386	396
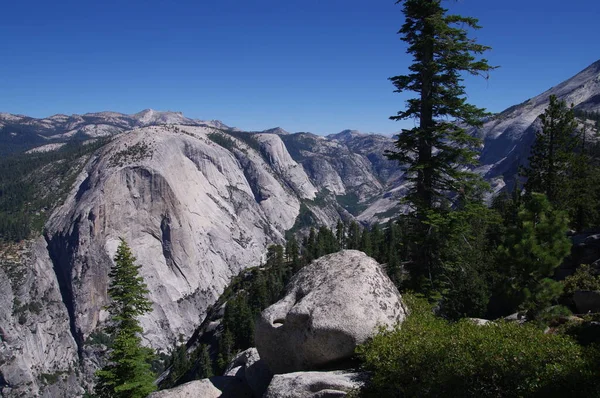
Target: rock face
508	136
314	384
352	167
251	370
215	387
38	354
331	305
193	212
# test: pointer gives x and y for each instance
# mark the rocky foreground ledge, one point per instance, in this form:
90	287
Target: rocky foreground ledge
303	341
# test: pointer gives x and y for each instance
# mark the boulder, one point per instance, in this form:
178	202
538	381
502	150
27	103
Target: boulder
251	370
194	389
587	301
330	306
480	322
215	387
315	384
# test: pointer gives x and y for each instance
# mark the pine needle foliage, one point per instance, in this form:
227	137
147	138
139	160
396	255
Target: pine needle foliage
128	373
532	250
553	152
435	153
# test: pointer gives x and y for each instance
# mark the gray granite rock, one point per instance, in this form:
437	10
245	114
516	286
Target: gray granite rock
330	306
249	368
315	384
215	387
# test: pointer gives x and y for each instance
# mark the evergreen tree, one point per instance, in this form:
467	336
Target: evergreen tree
365	242
128	373
180	362
292	253
226	349
468	241
340	234
533	248
551	160
353	240
310	246
377	243
239	320
435	153
205	368
582	187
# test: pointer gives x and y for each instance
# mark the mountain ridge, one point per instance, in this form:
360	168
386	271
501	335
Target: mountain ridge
198	203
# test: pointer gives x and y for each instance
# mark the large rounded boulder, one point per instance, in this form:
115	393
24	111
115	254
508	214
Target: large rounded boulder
330	306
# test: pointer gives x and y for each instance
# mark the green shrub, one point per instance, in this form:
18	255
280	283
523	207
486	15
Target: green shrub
431	357
583	279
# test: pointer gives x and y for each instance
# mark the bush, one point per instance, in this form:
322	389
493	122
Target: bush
583	279
431	357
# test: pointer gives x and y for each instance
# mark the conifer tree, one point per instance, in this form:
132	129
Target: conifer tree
128	373
365	242
552	154
353	239
436	151
292	253
533	248
205	367
340	234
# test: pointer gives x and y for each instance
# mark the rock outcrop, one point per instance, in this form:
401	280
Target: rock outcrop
251	370
38	355
330	306
509	135
315	384
194	213
215	387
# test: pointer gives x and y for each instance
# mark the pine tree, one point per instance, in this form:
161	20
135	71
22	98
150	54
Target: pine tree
552	154
365	242
582	187
205	366
291	253
353	239
128	373
340	234
435	153
377	243
533	248
310	246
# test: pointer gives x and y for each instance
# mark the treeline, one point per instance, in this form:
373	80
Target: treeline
595	116
31	184
255	289
245	297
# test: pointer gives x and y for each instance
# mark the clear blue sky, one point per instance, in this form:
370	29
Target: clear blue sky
304	65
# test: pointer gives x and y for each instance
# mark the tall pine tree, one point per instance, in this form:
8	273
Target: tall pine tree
128	373
435	153
552	154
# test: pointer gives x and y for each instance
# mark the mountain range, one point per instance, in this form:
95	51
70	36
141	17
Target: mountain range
198	202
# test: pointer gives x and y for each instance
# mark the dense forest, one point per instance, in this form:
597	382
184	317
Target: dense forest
31	184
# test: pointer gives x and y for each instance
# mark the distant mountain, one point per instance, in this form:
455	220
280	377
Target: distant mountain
198	202
508	136
20	133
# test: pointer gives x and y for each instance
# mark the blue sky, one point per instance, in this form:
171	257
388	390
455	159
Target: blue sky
305	65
